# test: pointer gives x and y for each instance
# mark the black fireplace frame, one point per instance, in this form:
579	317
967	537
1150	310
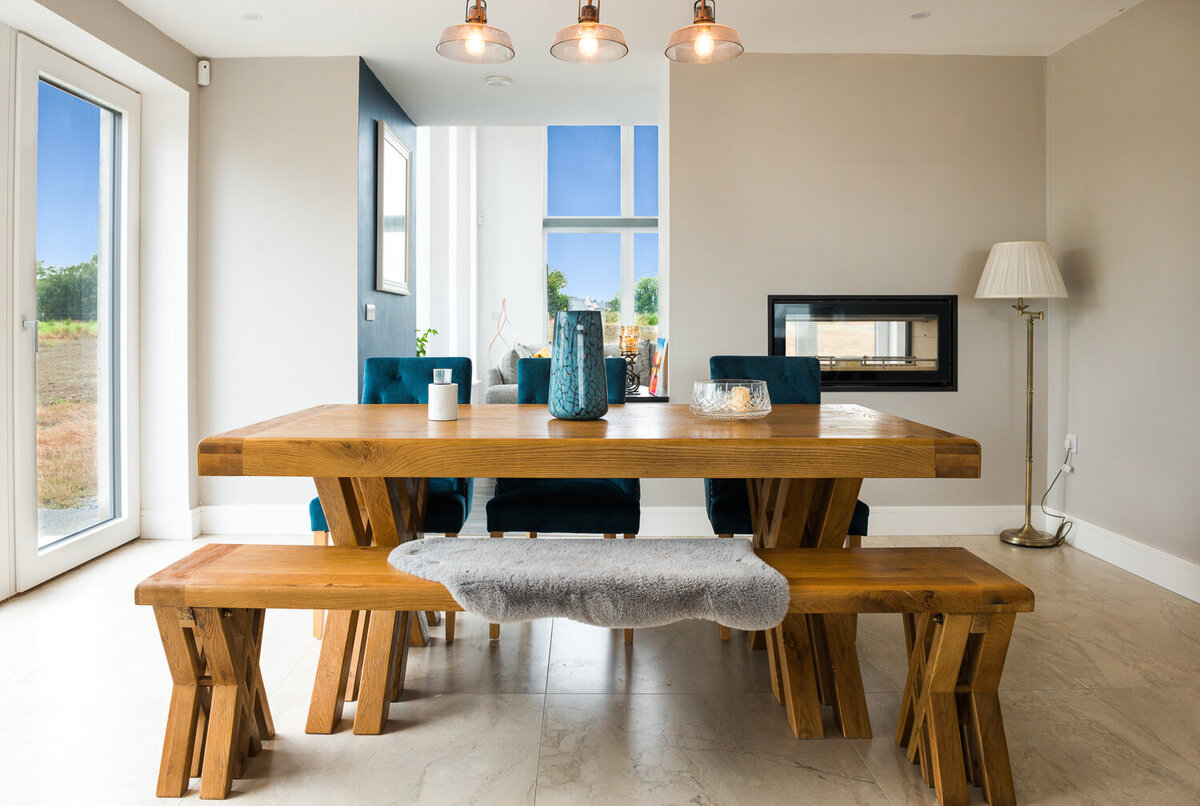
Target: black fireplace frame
944	306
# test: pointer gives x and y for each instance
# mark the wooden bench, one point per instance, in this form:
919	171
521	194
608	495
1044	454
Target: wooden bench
958	616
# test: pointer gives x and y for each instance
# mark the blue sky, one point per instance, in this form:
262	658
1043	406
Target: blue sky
583	166
68	171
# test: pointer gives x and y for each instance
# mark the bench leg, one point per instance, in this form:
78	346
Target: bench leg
357	653
231	640
179	744
981	720
795	655
333	669
628	633
934	735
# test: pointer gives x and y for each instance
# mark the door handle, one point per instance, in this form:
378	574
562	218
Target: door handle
25	324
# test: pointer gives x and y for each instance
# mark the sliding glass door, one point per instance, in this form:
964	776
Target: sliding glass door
76	280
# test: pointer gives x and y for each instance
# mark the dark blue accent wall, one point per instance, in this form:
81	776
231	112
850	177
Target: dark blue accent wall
393	331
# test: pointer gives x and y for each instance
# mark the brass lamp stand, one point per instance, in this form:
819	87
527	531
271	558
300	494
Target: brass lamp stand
1019	269
1027	535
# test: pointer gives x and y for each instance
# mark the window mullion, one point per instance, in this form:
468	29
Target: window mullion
627	314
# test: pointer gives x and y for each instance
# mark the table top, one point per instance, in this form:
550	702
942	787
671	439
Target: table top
662	441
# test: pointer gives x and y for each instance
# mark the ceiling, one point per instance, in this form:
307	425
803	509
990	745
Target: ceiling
397	39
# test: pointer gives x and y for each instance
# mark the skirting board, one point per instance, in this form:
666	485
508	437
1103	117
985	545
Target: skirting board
656	521
171	524
1152	564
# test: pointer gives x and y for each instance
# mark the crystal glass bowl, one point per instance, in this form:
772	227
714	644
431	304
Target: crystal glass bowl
731	399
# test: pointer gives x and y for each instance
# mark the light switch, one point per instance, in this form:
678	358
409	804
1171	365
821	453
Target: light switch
370	312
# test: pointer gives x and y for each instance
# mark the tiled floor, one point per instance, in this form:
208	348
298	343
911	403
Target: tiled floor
1101	696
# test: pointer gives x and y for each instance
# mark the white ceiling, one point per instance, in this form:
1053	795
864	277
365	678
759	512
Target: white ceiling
397	39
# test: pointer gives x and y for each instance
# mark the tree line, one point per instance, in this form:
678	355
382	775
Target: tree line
67	292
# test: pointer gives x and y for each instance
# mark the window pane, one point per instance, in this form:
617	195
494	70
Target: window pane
75	208
583	272
583	171
645	288
645	170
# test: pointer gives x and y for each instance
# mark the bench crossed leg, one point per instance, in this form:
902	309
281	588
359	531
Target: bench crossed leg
929	728
216	649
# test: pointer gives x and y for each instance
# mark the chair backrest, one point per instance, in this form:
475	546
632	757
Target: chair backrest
406	380
533	380
790	378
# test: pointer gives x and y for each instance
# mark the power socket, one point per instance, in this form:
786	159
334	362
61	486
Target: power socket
1071	443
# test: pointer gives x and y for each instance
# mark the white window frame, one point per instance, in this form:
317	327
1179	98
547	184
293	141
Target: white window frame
626	225
35	62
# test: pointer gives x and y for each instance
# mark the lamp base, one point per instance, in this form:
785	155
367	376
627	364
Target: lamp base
1030	537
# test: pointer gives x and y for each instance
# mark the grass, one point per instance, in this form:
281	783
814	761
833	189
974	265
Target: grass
63	329
67	428
67	446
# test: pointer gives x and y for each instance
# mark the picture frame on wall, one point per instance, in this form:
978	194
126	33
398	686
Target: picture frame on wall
393	224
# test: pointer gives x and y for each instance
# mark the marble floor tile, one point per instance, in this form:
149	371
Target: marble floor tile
1114	644
690	748
1171	715
680	658
475	664
1067	747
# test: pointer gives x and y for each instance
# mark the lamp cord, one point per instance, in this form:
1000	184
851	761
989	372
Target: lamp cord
1064	525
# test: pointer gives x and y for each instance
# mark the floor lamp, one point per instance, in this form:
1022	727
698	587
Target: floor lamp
1020	269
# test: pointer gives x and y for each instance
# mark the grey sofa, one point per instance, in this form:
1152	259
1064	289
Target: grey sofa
502	378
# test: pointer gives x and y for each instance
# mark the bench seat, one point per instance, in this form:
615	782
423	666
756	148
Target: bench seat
958	616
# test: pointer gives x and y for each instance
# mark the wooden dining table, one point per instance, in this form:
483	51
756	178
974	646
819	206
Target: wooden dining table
804	465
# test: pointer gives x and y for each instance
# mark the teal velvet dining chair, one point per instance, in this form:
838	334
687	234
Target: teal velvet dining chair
406	380
575	506
790	379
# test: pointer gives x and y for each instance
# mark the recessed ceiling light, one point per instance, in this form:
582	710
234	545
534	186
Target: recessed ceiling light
252	17
497	81
920	15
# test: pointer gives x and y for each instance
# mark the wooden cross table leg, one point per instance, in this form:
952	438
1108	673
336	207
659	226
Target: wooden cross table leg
362	512
812	513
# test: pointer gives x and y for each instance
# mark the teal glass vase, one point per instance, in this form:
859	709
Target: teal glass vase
578	387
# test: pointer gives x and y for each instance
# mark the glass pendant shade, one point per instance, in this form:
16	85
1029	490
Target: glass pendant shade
589	40
474	41
704	42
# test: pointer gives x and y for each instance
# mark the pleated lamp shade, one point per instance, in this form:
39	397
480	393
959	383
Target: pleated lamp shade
1020	269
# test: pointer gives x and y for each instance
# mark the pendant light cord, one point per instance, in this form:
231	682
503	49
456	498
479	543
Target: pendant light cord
1064	525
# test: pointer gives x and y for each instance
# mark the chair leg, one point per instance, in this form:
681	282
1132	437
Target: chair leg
494	629
609	536
319	539
532	534
722	630
450	613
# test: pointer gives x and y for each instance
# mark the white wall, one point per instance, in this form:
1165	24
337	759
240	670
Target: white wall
861	175
278	252
1124	218
511	182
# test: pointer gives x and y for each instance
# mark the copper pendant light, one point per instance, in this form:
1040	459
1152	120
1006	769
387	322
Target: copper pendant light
589	40
704	42
474	41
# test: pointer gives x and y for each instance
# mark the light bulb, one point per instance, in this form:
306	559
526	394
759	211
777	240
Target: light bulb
588	45
475	43
704	43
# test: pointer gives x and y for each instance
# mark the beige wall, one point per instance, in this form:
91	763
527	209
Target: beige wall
278	251
859	175
1124	219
